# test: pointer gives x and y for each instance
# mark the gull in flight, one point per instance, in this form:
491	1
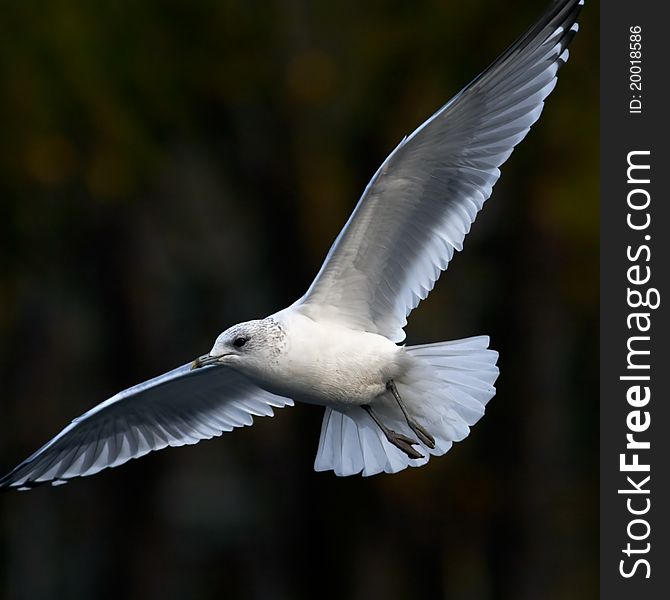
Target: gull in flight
387	406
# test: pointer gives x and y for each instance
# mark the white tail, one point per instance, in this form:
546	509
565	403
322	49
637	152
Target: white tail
445	391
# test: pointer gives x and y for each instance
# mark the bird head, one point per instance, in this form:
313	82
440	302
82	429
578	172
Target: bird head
244	344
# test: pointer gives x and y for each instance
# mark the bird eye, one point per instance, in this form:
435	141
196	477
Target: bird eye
238	342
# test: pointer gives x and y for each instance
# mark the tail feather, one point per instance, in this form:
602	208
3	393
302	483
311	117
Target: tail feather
446	391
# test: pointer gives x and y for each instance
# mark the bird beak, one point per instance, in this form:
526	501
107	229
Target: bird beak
204	360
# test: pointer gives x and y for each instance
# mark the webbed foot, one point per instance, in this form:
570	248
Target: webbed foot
399	440
421	433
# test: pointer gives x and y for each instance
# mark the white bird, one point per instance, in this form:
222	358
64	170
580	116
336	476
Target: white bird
388	406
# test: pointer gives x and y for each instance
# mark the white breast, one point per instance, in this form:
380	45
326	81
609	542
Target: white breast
327	364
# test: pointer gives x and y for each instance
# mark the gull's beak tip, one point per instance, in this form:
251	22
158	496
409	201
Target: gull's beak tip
204	361
198	362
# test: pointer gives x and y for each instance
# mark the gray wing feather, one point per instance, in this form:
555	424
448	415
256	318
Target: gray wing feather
419	206
181	407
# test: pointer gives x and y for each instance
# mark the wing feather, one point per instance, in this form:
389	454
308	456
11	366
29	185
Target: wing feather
421	203
181	407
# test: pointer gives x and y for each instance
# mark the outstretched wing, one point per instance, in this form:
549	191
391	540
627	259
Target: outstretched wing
420	204
181	407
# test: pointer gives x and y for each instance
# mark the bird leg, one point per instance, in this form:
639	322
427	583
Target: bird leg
399	440
421	433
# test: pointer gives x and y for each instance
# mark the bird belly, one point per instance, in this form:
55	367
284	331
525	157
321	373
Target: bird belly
335	366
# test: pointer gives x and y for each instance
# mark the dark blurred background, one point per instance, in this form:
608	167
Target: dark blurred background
170	168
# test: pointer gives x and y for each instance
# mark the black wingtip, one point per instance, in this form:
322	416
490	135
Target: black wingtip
8	484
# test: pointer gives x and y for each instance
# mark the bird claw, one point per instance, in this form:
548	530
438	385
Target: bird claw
404	443
399	440
421	433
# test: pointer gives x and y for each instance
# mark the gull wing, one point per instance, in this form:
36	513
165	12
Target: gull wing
420	204
180	407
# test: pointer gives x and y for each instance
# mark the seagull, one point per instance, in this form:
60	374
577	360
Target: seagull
388	406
